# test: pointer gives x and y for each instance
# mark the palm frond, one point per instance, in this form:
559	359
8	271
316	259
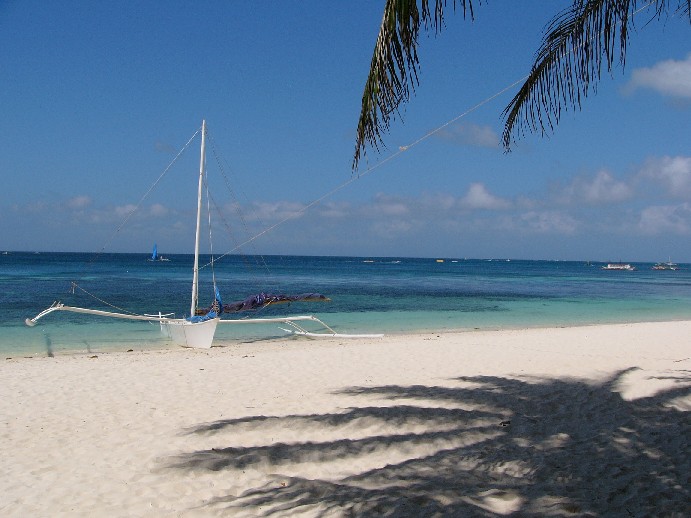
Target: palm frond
568	64
684	8
394	69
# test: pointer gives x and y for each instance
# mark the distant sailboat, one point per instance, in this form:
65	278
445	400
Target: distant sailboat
156	257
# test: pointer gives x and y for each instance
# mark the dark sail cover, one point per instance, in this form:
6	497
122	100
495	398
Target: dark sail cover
261	300
264	299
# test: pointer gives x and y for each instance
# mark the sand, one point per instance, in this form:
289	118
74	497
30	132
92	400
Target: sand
582	421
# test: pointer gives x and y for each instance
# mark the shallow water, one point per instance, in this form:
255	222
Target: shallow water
368	295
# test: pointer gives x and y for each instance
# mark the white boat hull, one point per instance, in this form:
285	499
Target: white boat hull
198	335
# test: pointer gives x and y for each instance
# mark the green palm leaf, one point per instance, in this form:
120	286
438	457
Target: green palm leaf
567	66
394	68
569	63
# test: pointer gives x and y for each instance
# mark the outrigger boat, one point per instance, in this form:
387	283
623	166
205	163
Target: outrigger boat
198	329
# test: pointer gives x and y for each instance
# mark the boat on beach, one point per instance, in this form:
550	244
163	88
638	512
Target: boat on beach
197	330
619	266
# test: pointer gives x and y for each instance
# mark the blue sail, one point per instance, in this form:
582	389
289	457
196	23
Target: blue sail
154	255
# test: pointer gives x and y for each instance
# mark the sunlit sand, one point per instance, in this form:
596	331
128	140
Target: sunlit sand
562	421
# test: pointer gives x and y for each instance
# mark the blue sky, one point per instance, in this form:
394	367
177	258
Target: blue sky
98	97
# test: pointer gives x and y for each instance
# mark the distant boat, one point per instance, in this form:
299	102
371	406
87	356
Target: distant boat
619	266
156	257
669	265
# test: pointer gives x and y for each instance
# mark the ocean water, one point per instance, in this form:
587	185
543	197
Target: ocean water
368	295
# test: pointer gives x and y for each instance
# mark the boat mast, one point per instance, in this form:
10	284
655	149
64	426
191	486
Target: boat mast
195	277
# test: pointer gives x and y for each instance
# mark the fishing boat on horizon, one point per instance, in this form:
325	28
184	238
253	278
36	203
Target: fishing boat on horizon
619	266
669	265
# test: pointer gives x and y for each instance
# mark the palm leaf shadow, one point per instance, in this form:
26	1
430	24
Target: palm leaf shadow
566	447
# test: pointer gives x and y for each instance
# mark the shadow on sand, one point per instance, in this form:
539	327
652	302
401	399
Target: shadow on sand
492	446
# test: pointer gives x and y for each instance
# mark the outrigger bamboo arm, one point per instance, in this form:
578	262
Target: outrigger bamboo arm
58	306
298	329
291	321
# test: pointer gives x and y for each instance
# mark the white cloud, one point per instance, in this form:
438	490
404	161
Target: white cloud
273	212
335	210
472	135
665	219
440	201
671	78
601	189
478	197
390	206
79	202
674	173
605	189
158	210
124	210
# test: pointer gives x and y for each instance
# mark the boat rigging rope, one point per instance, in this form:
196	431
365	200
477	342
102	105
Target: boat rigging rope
74	286
211	243
369	170
127	218
395	154
238	213
153	186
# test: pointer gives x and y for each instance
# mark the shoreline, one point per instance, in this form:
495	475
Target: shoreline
584	420
223	343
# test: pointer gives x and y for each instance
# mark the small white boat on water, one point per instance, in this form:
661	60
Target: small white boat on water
666	266
619	266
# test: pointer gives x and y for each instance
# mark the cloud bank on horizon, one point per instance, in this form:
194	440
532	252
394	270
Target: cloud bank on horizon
650	200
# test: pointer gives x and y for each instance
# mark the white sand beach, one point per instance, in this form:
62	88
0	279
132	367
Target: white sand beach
582	421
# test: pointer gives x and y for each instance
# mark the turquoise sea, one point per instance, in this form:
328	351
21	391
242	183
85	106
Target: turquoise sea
368	295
